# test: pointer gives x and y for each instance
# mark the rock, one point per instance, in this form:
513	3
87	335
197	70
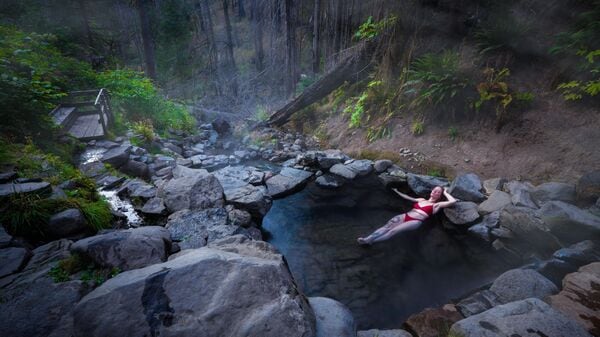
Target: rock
221	125
117	156
588	187
554	191
481	231
343	171
361	167
382	165
238	217
495	202
6	177
136	188
5	238
491	185
67	223
194	229
462	213
519	284
520	194
107	144
126	249
287	181
135	169
168	300
431	321
491	220
384	333
467	187
502	233
329	181
529	317
579	254
530	231
239	191
554	270
333	318
191	189
12	260
161	162
330	158
155	206
42	189
569	222
93	169
108	182
478	303
393	177
422	185
580	297
173	148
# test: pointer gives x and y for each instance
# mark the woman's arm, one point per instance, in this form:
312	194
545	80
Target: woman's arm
407	197
451	200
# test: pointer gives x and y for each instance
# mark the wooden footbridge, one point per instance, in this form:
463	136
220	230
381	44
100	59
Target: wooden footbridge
86	115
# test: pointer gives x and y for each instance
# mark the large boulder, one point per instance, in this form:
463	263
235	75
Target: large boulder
569	222
240	191
530	232
431	321
520	194
384	333
194	229
495	202
478	303
343	171
136	169
126	249
289	180
333	318
422	185
462	213
330	158
467	187
67	223
361	167
205	292
329	181
554	191
588	187
12	260
519	284
382	165
579	254
191	189
580	297
117	156
393	177
530	317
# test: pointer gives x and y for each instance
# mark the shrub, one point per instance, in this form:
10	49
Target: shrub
417	127
452	133
369	29
502	34
262	115
144	130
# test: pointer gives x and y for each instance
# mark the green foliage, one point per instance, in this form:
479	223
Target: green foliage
34	75
362	108
89	271
452	133
262	115
435	172
417	127
137	99
27	214
58	274
97	213
502	34
370	29
436	78
144	130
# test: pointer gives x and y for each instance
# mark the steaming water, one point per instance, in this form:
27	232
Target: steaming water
316	231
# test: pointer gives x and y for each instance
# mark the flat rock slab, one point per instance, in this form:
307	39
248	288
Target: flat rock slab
343	171
467	187
42	189
554	191
205	292
67	223
240	191
117	156
194	229
580	297
527	318
329	181
191	189
495	202
289	180
519	284
569	222
478	303
126	249
422	185
579	254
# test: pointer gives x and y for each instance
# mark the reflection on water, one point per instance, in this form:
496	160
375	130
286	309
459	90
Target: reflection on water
316	230
123	206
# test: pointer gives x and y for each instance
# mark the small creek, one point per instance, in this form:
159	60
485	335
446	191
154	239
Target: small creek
316	231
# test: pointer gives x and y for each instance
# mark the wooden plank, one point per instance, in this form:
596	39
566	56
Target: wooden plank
61	116
87	127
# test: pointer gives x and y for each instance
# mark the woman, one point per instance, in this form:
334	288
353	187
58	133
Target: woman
422	209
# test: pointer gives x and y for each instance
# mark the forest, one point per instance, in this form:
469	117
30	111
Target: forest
255	144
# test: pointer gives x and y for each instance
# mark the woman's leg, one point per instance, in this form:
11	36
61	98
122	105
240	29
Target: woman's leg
383	233
401	227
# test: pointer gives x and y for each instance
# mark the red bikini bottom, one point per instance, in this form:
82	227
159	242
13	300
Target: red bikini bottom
409	218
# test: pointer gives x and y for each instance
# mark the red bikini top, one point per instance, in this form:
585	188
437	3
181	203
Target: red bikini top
427	209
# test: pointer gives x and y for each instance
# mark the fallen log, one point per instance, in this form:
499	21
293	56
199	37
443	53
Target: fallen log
352	68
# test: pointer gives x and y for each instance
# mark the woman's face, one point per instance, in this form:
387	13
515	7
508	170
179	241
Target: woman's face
436	193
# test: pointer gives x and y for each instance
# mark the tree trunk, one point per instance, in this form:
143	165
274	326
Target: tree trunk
353	68
241	10
147	39
232	73
316	52
86	23
213	55
258	35
290	43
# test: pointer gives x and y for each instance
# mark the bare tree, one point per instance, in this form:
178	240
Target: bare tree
142	7
316	52
232	73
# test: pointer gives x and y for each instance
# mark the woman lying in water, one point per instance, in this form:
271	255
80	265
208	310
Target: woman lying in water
422	209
